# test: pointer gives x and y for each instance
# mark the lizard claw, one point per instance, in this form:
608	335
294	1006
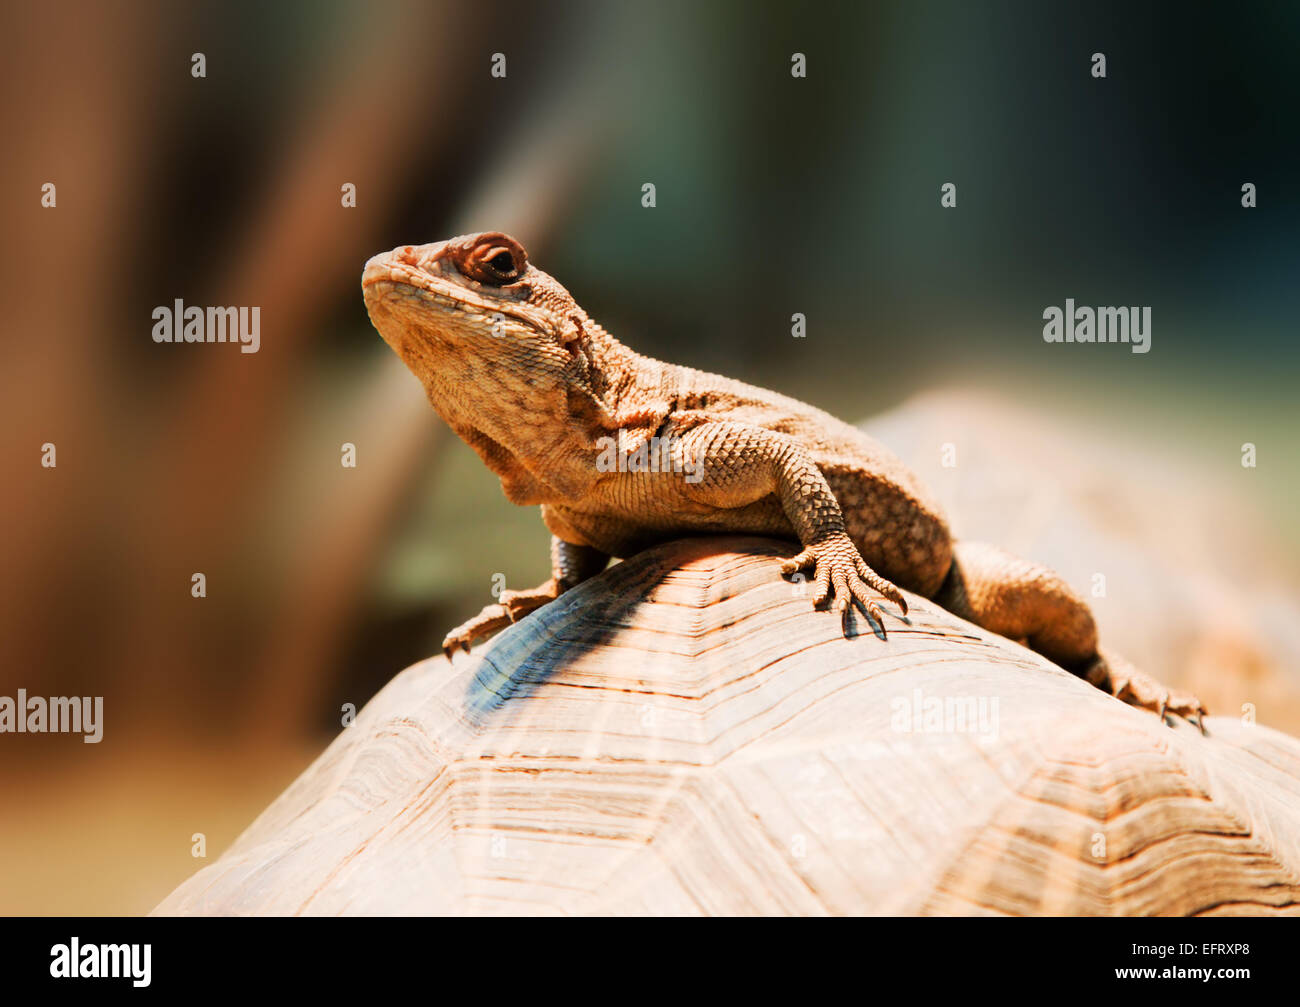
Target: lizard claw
1131	686
452	643
513	607
1190	708
842	578
491	619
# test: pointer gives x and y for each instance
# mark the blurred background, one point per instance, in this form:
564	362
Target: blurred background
775	195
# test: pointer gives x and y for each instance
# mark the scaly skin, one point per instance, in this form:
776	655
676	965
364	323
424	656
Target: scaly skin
537	388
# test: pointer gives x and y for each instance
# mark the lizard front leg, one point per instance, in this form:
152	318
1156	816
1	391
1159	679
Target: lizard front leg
570	565
740	464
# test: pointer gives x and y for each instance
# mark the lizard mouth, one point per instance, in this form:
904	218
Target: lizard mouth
383	276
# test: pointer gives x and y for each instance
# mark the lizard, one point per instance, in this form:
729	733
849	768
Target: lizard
538	389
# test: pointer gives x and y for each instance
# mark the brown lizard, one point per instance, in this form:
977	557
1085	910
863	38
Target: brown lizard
529	381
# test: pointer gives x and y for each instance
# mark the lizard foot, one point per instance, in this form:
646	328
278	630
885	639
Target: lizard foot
519	603
1131	686
487	622
842	578
513	607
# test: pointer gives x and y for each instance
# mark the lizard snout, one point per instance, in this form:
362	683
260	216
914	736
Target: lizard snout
397	264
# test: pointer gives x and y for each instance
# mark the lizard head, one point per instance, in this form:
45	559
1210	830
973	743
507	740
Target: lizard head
502	349
473	305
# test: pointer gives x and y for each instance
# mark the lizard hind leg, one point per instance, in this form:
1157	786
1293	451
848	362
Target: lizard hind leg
570	565
1033	605
1115	675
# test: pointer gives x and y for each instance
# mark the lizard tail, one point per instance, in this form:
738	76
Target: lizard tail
1033	605
1021	601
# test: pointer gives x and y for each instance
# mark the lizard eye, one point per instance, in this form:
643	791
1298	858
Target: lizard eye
502	262
494	258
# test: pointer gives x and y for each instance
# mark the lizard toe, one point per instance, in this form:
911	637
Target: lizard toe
487	622
1189	708
883	586
1140	690
822	585
868	605
840	588
452	644
796	563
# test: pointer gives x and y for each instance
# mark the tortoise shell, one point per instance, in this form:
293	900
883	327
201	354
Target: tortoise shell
685	735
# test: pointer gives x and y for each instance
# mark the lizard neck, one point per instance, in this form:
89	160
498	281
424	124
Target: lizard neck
619	376
544	437
631	395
